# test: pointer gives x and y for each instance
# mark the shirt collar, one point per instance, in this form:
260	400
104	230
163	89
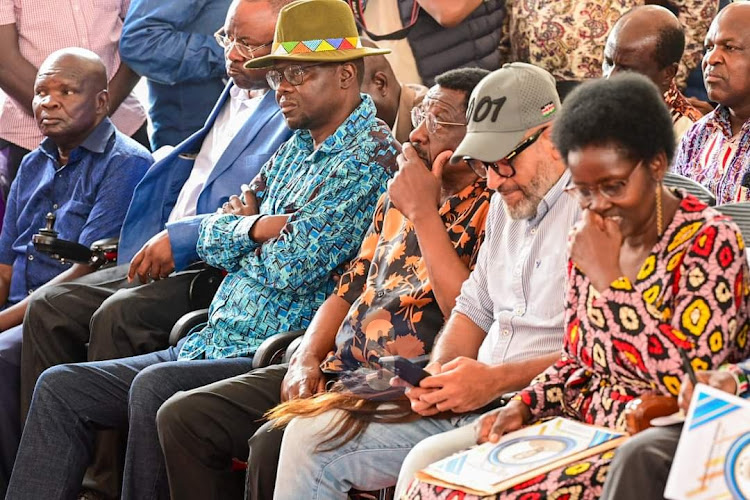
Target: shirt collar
719	119
359	120
243	96
96	142
550	198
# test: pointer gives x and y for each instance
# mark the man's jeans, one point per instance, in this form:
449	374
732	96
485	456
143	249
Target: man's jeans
72	401
370	462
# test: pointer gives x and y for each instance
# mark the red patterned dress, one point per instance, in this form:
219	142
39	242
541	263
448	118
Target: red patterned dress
691	293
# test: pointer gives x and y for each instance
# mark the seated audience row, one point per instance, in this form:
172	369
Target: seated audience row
648	271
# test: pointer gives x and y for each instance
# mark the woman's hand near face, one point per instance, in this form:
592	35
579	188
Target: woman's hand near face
594	245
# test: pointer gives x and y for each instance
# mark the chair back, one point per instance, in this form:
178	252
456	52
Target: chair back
698	190
740	214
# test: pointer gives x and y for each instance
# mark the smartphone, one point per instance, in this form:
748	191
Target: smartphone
409	370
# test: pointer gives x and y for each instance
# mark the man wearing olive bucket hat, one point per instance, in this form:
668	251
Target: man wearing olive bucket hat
304	215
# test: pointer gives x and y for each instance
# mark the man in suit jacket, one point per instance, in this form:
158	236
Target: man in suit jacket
120	317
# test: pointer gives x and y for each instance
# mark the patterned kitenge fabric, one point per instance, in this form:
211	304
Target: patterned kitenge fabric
691	292
710	154
394	310
683	113
567	38
330	193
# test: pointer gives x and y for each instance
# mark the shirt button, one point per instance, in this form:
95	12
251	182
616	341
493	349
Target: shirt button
506	332
380	293
520	310
54	206
31	257
31	290
533	230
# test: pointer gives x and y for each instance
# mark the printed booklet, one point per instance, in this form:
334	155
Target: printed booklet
521	455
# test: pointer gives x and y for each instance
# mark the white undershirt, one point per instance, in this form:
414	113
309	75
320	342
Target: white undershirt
238	109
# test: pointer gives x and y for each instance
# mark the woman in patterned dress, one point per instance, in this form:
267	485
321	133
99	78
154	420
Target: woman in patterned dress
651	271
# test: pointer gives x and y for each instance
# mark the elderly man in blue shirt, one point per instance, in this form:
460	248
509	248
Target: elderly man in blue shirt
302	218
85	172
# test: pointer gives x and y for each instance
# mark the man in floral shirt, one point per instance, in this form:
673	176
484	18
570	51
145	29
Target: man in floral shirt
393	299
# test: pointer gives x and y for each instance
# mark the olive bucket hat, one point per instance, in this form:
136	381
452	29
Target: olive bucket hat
316	31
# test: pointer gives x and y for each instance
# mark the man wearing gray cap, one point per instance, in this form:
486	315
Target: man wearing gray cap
507	325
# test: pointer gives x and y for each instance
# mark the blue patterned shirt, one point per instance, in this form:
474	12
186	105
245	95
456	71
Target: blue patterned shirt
330	193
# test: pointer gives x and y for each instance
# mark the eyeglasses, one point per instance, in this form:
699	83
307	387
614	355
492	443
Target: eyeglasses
482	167
611	190
418	116
246	51
294	74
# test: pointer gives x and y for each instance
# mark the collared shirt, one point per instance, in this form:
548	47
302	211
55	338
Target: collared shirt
329	193
393	308
45	26
89	196
683	113
711	155
516	293
232	117
567	38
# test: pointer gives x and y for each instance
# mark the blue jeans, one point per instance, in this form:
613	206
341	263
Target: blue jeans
10	411
370	462
72	401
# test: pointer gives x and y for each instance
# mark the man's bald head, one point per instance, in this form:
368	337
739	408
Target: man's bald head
70	96
726	63
649	40
380	82
78	61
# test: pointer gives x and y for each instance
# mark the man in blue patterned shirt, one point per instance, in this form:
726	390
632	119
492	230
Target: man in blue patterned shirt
304	215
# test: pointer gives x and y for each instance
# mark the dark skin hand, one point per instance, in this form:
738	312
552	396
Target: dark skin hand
594	246
724	381
491	426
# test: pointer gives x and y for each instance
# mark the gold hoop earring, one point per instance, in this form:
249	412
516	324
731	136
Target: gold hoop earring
659	211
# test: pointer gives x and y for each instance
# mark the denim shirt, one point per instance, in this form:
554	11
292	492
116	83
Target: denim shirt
330	194
172	45
89	196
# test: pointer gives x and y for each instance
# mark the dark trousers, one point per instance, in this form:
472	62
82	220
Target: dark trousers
10	425
71	402
203	429
641	466
11	155
118	320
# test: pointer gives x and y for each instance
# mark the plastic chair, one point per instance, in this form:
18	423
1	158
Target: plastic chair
698	190
740	214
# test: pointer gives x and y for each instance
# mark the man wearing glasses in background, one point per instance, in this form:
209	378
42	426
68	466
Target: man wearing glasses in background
281	244
507	324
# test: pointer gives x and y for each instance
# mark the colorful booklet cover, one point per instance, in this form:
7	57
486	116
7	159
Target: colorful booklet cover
713	456
521	455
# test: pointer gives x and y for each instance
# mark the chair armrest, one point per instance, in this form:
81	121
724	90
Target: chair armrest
187	323
639	412
272	349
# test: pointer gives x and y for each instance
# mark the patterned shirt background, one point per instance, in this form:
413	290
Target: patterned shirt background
394	311
566	37
683	113
711	155
330	193
690	293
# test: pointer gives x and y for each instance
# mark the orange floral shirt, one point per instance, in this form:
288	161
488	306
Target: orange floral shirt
393	309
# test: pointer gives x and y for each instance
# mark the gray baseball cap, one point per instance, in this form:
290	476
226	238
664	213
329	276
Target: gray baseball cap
505	104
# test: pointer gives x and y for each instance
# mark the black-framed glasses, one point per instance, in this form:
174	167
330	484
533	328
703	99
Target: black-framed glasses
610	190
294	74
418	116
246	51
482	167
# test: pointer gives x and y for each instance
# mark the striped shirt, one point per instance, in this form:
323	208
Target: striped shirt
516	292
710	154
45	26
